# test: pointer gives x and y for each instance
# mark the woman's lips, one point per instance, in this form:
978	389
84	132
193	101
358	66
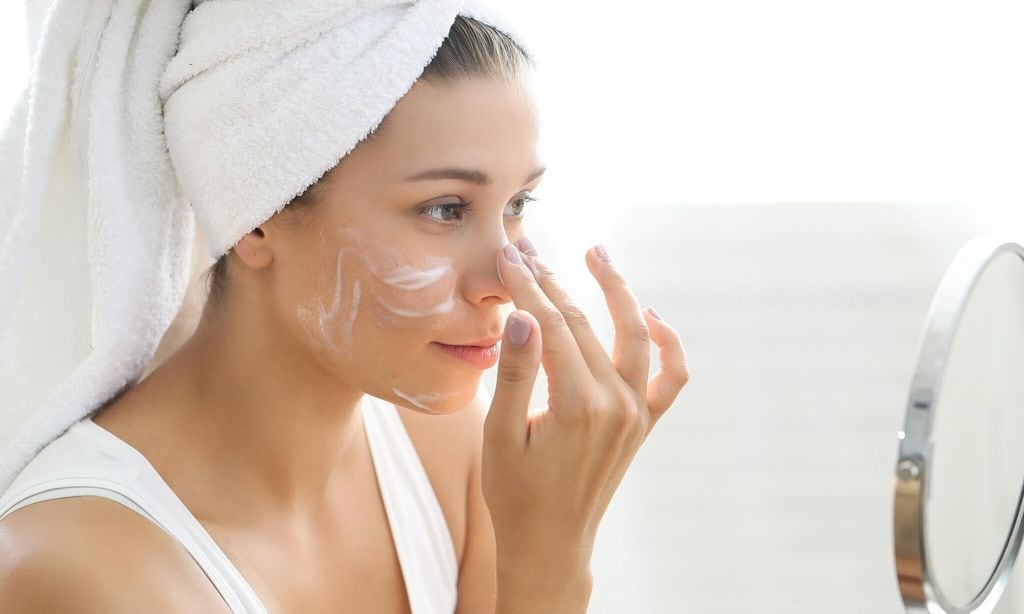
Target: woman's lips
476	356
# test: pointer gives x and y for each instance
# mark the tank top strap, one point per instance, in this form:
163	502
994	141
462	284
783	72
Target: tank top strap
89	460
422	539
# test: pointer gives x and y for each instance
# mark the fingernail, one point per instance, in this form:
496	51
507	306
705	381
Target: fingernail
526	247
602	253
518	330
512	254
654	313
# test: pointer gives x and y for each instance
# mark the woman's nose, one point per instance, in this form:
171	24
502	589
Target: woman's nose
481	280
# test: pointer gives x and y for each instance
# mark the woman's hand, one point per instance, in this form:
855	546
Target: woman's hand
548	476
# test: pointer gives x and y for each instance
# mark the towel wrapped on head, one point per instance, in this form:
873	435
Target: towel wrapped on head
144	119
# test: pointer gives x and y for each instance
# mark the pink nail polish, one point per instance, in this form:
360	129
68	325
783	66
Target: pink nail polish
512	254
526	247
518	330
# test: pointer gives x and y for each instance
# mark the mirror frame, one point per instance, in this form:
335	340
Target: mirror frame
920	593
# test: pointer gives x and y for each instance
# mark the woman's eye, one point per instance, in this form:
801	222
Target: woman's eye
450	214
519	203
459	208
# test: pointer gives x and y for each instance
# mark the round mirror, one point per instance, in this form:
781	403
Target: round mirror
960	471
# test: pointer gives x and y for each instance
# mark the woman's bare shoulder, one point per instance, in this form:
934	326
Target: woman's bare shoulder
91	554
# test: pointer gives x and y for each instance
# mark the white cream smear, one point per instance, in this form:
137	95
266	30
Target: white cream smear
423	400
444	307
408	278
434	285
326	316
420	291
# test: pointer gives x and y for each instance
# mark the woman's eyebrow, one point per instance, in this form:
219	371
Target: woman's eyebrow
465	174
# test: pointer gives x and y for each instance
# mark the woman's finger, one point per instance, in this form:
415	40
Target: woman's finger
507	420
662	391
631	353
673	373
590	346
567	371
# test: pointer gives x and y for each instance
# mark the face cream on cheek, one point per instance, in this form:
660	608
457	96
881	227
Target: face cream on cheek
332	311
384	317
355	304
406	291
322	322
397	292
410	292
400	293
406	277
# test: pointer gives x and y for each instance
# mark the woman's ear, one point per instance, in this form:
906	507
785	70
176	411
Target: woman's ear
254	249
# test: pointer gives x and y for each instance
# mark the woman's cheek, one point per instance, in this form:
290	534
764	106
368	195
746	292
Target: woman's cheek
328	319
407	296
370	283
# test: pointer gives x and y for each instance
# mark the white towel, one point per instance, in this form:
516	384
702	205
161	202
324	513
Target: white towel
143	118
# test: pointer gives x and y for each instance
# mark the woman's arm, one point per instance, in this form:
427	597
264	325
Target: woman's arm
91	555
536	589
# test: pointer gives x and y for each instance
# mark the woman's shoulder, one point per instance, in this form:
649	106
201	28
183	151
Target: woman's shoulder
91	554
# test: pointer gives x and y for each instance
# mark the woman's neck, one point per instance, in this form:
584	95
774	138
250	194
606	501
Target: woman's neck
237	406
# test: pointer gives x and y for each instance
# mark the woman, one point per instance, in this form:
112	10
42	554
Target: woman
386	279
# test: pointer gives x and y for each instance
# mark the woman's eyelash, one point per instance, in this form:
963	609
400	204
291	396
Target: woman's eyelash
462	207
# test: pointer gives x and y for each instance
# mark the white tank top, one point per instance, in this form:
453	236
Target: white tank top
90	460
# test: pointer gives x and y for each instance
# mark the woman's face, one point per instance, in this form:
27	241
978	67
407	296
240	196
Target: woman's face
398	256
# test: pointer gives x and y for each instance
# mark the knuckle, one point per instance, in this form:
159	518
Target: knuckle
619	282
643	425
623	418
590	406
683	377
629	411
542	267
621	410
552	318
574	315
640	332
588	415
515	373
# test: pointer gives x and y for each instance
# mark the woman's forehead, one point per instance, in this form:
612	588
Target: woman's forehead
473	120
